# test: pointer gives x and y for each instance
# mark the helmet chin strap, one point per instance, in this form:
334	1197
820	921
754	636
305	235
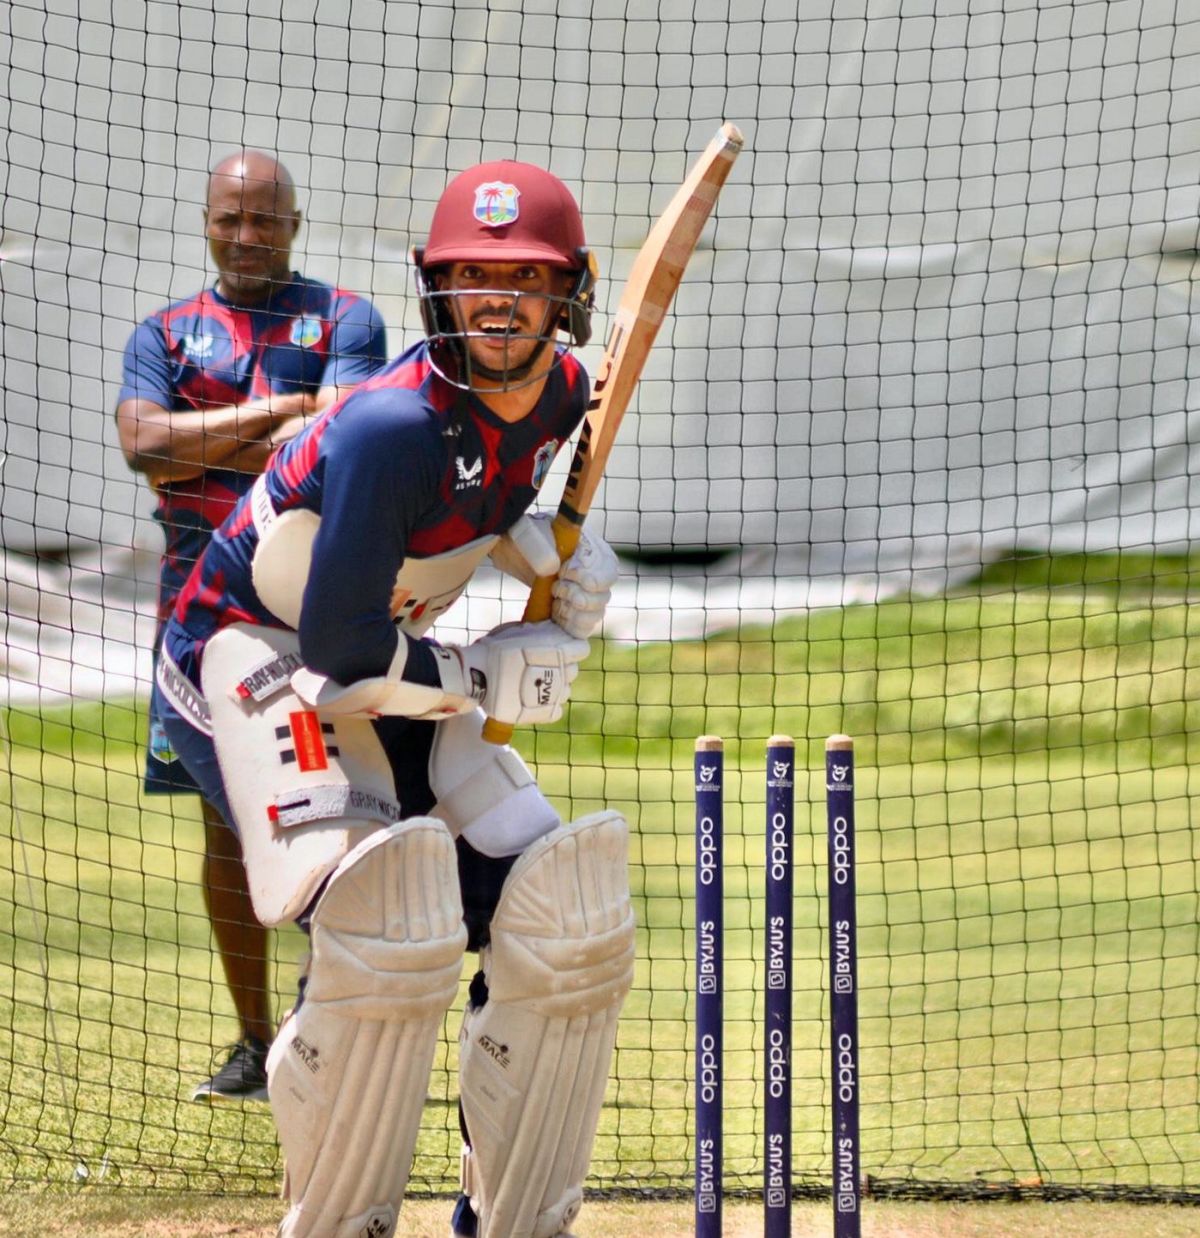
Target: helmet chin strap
510	377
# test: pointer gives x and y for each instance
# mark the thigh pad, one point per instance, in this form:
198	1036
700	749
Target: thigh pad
303	790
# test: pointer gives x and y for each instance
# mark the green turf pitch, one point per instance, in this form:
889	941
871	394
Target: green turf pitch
1028	906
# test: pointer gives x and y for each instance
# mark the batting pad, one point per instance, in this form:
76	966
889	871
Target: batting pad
348	1071
535	1058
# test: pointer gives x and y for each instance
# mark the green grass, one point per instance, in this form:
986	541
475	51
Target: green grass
1027	877
122	1214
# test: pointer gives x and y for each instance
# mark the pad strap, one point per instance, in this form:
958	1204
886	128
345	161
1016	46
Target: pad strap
458	692
486	787
338	802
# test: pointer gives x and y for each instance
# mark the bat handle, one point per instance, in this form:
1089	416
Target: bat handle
566	530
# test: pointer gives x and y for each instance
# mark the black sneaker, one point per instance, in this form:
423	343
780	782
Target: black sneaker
243	1077
464	1223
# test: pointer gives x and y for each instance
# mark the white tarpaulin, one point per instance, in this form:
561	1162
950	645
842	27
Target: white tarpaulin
946	309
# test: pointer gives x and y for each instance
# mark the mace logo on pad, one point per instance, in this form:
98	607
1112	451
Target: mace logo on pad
496	1051
309	1054
496	204
379	1226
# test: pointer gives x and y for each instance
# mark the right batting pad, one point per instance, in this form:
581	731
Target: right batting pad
348	1071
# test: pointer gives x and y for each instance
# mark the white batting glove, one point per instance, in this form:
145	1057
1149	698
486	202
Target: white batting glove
584	583
522	672
584	586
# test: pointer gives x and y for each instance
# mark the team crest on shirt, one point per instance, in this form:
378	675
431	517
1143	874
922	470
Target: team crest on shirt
197	347
542	462
306	331
496	203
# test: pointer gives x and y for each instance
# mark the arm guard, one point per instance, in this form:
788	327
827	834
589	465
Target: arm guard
392	693
519	673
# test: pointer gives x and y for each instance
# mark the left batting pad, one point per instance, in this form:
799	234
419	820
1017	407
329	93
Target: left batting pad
534	1059
349	1069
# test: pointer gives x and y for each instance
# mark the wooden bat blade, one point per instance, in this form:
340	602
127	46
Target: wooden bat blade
656	274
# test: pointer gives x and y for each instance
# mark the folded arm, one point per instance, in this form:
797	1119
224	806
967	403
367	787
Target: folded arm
169	446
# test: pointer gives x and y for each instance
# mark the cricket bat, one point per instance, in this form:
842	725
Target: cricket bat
656	274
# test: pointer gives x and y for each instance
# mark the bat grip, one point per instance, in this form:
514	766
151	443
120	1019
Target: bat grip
566	538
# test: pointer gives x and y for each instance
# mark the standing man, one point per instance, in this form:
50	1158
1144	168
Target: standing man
212	385
345	746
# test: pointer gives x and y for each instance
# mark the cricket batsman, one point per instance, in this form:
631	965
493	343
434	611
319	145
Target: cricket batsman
343	745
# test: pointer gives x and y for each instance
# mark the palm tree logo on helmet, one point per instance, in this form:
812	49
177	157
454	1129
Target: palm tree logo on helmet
496	204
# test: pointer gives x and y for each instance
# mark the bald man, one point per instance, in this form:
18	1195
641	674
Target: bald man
212	385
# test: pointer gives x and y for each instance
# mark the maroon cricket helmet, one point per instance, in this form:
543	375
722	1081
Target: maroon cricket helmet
505	211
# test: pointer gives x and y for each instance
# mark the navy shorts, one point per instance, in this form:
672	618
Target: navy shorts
165	773
193	753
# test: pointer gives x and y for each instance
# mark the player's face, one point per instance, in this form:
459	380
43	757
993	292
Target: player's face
505	312
250	225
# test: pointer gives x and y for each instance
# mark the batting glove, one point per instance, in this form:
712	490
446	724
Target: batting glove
526	670
583	585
